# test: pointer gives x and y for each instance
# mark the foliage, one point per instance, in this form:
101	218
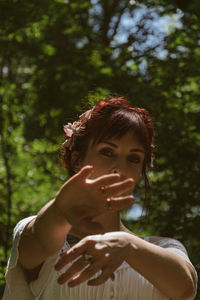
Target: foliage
54	55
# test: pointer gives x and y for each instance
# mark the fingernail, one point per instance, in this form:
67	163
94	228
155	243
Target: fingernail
57	267
112	277
89	166
71	284
131	180
60	280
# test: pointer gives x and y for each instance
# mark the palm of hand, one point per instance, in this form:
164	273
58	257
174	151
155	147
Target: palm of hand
81	199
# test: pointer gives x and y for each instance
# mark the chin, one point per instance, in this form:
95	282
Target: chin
96	228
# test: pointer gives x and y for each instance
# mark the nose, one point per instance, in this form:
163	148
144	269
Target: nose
121	171
116	171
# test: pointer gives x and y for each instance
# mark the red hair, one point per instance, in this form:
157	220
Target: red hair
111	118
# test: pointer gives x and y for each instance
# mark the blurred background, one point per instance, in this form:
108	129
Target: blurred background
58	55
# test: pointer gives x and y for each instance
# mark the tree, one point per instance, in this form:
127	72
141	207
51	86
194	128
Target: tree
54	54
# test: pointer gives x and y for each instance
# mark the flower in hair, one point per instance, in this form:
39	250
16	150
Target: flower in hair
72	129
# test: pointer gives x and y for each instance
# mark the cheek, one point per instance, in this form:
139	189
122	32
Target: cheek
100	167
99	170
136	174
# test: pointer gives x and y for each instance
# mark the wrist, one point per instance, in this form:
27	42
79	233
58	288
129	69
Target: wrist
132	246
60	211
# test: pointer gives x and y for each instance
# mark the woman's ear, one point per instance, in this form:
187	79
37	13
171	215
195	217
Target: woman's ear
76	161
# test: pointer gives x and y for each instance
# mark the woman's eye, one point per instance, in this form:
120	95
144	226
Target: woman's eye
107	152
134	159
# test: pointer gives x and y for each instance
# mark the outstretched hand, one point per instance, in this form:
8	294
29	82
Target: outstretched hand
81	199
107	252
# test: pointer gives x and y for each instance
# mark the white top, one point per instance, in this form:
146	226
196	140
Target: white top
127	285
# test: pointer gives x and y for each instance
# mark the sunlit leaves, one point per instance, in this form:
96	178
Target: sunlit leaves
55	54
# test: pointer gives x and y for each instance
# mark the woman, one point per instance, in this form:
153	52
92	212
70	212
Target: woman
106	152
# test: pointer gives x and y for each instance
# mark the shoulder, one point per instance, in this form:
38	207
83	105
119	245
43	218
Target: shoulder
22	224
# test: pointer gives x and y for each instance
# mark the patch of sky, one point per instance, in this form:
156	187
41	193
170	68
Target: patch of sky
132	2
173	55
129	63
195	211
165	23
129	22
115	53
162	53
5	70
95	2
82	42
134	213
143	66
181	48
157	26
95	11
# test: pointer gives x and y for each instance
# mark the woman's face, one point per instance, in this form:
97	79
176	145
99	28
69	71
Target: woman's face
124	155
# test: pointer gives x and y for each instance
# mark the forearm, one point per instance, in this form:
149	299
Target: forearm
43	236
164	269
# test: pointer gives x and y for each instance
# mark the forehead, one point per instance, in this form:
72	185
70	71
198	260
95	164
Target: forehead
128	140
116	124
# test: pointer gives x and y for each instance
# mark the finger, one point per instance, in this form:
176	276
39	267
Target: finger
105	275
86	274
75	268
118	203
107	179
71	255
77	250
84	173
119	188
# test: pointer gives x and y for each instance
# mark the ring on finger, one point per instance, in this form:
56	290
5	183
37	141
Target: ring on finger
102	189
88	258
109	203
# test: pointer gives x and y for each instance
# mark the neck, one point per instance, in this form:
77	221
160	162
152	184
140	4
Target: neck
109	222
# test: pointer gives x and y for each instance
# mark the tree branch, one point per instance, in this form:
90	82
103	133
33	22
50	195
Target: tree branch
109	11
8	179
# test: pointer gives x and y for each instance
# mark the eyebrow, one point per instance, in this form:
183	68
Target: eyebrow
132	150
